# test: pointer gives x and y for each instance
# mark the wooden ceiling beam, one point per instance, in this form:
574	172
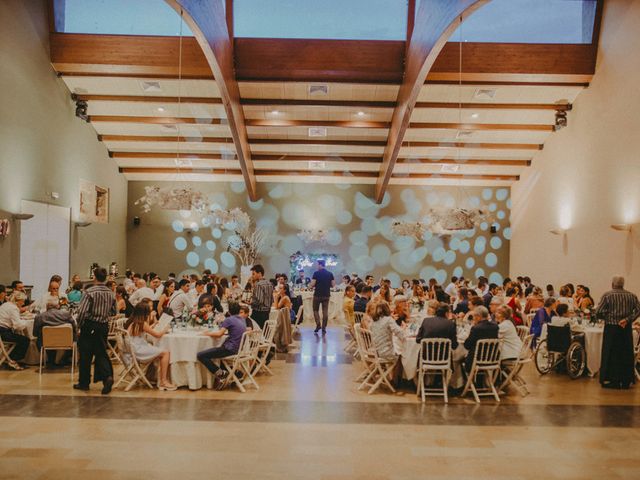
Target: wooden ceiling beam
208	22
148	99
495	106
162	138
292	157
287	102
315	123
155	120
155	155
469	161
435	21
488	146
482	126
460	176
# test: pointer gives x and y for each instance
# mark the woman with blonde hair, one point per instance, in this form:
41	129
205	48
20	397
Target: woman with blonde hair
383	329
137	326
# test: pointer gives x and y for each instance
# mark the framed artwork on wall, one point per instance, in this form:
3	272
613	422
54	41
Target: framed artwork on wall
94	203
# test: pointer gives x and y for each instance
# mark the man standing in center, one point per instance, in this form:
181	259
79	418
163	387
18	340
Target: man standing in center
261	296
322	282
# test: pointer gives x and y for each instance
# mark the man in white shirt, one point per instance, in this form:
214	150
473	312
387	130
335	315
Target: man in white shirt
194	295
11	326
142	291
180	300
452	288
346	280
157	287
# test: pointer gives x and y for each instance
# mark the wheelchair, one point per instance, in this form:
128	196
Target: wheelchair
562	346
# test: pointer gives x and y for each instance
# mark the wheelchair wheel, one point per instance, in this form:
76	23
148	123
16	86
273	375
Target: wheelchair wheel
576	360
543	358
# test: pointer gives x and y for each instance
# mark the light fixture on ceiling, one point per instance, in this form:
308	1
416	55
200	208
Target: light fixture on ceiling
81	224
462	134
81	108
22	216
274	112
485	93
161	109
361	113
318	89
558	231
475	115
622	227
450	168
317	131
150	86
317	165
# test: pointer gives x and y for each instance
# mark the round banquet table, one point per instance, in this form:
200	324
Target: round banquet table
336	317
592	343
184	347
410	352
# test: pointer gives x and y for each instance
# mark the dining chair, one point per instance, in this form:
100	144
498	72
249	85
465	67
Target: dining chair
243	361
512	377
266	344
486	360
5	351
378	368
523	332
434	361
134	371
58	338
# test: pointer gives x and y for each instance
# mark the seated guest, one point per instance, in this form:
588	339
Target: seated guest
74	279
301	281
401	310
511	343
346	280
440	326
566	296
440	295
384	293
123	305
167	292
562	316
212	295
156	286
198	290
235	290
534	301
462	303
418	294
493	291
432	306
542	316
52	295
223	292
474	302
368	280
496	302
383	329
142	291
513	302
482	329
138	325
75	294
406	289
111	285
205	310
3	294
52	317
348	305
582	299
360	303
12	326
549	292
234	326
180	302
280	298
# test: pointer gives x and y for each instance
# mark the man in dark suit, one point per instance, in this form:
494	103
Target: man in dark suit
493	290
439	326
360	303
482	329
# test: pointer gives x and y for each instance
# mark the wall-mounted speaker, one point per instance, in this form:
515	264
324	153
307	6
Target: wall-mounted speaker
494	229
136	221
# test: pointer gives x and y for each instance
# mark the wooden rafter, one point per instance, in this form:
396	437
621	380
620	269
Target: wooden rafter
208	22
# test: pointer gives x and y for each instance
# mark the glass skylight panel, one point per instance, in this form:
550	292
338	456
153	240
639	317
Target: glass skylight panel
530	21
327	19
122	17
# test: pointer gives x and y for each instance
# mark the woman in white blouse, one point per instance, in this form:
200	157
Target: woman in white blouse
383	329
511	343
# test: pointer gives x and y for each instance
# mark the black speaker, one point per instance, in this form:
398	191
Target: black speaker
136	221
494	229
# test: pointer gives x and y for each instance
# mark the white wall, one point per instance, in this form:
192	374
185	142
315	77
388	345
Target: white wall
588	175
45	148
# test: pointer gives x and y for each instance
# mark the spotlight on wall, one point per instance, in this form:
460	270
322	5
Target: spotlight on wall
558	231
81	224
81	110
621	227
561	115
22	216
136	221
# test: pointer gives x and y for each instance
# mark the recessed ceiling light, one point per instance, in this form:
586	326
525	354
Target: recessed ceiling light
317	165
475	115
318	89
485	93
450	168
361	113
317	131
275	112
161	109
150	86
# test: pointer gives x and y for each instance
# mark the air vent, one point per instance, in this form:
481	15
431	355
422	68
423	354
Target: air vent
320	89
463	134
317	165
485	93
169	128
150	86
317	131
450	168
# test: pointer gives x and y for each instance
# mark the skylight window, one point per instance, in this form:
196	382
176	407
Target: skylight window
122	17
328	19
530	21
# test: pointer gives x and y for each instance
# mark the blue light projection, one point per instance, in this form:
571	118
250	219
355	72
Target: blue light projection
359	231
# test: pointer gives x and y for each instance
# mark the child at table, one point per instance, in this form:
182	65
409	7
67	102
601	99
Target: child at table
137	326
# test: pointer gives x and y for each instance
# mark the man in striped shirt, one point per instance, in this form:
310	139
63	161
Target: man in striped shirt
98	304
619	309
261	296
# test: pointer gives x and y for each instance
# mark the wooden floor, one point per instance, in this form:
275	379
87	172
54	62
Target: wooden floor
310	422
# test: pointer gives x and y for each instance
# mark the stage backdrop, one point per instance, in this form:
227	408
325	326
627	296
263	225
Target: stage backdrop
360	231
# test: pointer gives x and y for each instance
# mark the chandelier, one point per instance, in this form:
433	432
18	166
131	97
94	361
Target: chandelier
311	236
409	229
234	219
443	221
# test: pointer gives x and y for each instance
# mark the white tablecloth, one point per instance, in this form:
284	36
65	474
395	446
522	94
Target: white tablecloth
184	347
592	344
32	357
336	317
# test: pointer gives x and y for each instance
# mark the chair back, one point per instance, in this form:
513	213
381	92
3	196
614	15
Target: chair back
60	336
115	324
522	332
268	332
367	348
487	352
435	352
358	317
526	353
123	343
528	319
558	338
249	344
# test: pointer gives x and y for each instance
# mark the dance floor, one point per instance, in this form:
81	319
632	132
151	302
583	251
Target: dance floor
310	422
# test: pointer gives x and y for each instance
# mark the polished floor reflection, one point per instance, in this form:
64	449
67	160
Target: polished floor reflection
310	422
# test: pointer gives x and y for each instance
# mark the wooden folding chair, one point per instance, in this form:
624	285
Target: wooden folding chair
378	368
5	351
265	346
435	360
134	372
352	346
512	377
486	360
523	332
243	361
58	338
115	324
